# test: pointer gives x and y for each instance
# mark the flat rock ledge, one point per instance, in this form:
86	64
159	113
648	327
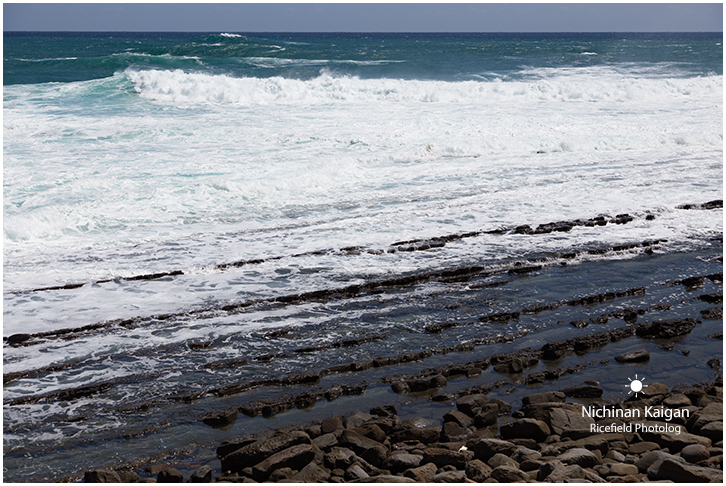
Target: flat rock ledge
481	440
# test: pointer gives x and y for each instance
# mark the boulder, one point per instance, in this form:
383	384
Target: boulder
257	451
544	397
561	420
170	475
450	477
355	472
325	441
458	417
508	474
422	474
312	473
526	428
478	471
580	456
583	391
201	475
484	449
638	356
101	476
695	453
132	477
486	415
370	450
332	424
471	404
385	478
295	457
445	457
682	472
501	460
672	440
339	458
400	462
713	430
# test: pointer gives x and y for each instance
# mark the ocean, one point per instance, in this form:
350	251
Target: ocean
184	212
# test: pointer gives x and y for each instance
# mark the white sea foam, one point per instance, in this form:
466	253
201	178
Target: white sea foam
588	86
153	171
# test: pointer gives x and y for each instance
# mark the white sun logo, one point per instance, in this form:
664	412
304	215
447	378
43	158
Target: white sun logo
636	385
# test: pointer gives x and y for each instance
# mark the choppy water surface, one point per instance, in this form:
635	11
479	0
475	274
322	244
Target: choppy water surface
243	171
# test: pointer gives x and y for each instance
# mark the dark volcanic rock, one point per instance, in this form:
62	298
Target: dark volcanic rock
101	476
258	451
682	472
583	391
544	397
201	475
445	457
666	329
170	475
478	471
485	449
525	428
368	449
422	474
295	457
471	404
637	356
508	474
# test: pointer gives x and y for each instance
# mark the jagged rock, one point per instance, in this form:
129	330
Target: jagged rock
508	474
638	356
478	471
295	457
694	453
682	472
201	475
580	456
101	476
170	475
484	449
525	427
422	474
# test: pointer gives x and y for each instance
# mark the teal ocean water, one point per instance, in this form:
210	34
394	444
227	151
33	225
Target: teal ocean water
247	168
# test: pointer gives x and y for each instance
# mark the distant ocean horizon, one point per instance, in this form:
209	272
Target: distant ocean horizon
168	195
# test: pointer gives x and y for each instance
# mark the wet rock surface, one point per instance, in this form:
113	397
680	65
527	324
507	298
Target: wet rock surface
560	445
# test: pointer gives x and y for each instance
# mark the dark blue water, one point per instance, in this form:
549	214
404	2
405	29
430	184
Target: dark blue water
64	57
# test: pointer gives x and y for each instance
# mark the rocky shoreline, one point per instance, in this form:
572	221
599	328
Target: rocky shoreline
482	440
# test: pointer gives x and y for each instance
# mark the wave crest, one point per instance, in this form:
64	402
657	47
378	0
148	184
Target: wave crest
180	87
